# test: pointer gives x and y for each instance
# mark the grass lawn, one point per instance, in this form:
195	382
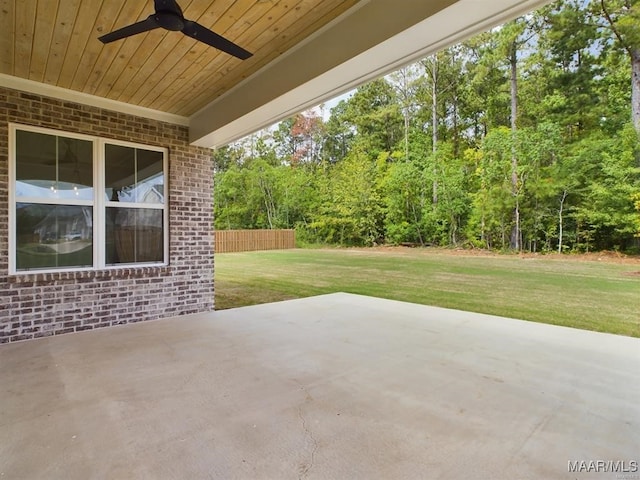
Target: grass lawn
593	294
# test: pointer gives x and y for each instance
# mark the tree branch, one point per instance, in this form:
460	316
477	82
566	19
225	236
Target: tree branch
614	29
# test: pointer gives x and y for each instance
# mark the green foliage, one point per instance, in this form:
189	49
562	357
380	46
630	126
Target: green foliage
608	210
353	214
375	115
635	198
429	155
405	196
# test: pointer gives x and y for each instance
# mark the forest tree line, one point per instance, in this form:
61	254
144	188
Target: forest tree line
526	137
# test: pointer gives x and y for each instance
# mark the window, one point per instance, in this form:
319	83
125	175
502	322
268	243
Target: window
80	202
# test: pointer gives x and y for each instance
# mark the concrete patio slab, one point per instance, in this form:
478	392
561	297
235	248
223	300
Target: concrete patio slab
330	387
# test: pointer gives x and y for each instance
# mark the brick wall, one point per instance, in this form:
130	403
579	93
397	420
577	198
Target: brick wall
39	305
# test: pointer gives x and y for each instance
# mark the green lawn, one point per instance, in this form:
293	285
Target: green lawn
595	295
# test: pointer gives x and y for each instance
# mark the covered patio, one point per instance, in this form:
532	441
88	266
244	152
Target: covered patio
336	386
106	176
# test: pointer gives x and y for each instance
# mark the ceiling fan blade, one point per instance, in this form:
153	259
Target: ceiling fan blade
197	31
144	26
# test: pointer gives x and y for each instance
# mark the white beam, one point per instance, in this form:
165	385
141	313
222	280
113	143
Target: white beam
372	39
37	88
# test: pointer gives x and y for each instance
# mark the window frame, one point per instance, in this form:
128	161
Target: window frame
99	203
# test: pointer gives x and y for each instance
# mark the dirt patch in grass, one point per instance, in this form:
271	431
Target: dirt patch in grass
232	295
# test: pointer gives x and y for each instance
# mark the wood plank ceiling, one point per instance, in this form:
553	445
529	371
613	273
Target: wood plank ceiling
56	42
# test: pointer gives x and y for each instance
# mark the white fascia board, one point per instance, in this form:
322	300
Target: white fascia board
37	88
446	27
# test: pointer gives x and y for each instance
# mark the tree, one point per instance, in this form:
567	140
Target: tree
636	201
608	210
493	203
339	134
352	209
223	158
376	116
512	38
300	138
517	139
405	193
432	68
623	18
405	82
571	48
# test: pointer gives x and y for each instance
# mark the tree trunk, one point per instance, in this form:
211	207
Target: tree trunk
633	50
416	221
515	232
635	88
561	221
404	89
434	124
406	134
456	136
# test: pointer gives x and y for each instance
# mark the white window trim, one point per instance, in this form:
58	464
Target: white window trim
99	203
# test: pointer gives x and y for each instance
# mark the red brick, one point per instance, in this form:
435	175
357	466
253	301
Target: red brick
43	304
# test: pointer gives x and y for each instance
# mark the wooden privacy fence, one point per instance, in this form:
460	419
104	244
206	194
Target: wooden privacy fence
249	240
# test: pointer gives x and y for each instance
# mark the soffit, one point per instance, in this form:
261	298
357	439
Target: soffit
55	42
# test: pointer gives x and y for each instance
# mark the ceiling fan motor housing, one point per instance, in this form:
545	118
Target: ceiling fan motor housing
169	21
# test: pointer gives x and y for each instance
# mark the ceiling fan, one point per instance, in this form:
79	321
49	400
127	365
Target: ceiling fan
168	15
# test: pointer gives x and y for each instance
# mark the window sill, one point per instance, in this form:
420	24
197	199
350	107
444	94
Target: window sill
124	273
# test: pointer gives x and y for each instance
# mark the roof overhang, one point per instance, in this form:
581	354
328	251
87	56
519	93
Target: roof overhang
204	91
374	38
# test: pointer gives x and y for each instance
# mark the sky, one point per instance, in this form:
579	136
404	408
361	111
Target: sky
329	104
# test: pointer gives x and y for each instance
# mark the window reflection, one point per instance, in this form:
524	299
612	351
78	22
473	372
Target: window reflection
134	235
53	204
53	236
133	175
54	167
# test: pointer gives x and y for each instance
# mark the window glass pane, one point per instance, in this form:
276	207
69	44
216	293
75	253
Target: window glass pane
120	170
133	175
49	166
134	235
150	177
49	236
75	169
